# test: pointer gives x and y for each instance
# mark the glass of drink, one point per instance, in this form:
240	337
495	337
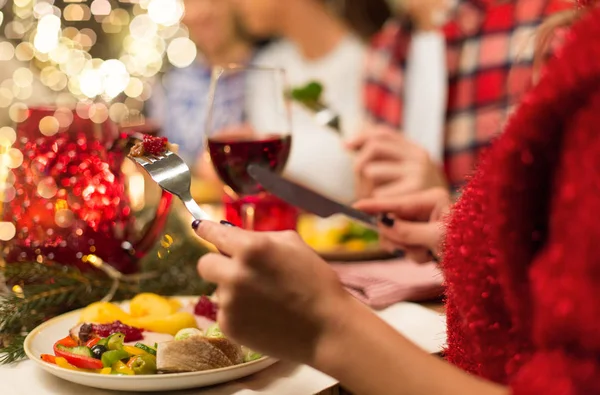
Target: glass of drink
266	212
255	130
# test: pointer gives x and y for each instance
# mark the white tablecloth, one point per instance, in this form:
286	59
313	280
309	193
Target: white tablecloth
423	326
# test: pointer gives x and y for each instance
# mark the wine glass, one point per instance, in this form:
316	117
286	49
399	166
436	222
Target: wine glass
248	123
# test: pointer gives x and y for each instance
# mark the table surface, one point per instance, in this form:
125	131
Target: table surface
423	325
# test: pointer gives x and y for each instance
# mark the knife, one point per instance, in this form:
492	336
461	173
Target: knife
304	198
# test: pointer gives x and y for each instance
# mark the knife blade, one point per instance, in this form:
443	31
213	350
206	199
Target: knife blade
306	199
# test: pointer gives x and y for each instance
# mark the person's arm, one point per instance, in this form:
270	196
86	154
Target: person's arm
277	296
369	357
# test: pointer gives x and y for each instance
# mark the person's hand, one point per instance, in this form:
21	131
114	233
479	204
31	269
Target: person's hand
389	165
275	294
425	14
413	223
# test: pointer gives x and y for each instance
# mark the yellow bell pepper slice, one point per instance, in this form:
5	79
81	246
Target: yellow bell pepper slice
62	362
120	368
133	350
106	371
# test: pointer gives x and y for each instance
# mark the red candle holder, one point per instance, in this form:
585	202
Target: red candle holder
70	200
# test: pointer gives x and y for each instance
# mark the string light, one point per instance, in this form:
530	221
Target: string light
151	32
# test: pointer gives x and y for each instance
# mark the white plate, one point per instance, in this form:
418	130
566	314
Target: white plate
42	338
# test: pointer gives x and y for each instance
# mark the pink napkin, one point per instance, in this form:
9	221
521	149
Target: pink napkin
380	284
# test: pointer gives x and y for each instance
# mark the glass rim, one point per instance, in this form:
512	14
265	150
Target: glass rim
242	67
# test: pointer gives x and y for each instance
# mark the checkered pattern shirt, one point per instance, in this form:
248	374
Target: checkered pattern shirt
490	61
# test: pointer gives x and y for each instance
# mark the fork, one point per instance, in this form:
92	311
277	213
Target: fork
324	115
171	173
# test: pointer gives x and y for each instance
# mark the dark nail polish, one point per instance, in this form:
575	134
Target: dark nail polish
399	254
226	223
195	224
387	220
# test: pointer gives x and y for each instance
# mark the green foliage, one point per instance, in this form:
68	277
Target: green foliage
50	289
310	93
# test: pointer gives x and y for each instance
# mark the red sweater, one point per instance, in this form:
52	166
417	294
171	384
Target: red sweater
522	260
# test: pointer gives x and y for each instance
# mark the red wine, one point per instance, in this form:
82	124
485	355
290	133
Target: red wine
231	157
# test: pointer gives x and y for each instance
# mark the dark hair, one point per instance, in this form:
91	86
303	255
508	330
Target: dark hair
365	17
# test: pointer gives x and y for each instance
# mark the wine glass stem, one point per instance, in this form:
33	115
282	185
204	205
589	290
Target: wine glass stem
248	216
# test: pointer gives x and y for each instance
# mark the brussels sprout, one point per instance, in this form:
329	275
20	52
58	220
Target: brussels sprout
214	331
250	355
187	332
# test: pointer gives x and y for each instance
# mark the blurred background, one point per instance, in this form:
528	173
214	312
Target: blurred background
145	65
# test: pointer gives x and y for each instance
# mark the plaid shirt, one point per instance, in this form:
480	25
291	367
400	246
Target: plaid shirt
490	63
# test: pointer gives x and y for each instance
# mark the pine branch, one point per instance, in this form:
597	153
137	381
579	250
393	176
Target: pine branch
11	349
51	289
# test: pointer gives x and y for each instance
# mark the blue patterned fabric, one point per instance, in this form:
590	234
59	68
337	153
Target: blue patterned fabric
180	103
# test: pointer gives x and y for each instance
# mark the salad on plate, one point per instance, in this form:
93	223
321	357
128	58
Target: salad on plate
156	336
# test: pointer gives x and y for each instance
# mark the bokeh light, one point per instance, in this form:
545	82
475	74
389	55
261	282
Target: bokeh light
7	231
151	32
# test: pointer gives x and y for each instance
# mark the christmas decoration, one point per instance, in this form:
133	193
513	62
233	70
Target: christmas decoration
41	291
69	202
70	233
100	50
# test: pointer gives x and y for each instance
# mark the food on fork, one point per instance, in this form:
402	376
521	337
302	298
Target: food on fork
151	145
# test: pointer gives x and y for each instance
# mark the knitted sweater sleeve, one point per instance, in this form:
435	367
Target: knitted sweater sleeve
565	276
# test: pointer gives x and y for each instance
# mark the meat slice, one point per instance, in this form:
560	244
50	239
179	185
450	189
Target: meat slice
194	354
232	351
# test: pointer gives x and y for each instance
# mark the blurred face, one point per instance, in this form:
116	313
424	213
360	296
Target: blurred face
261	18
211	24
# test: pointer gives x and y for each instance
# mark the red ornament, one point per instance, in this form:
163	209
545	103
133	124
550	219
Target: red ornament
71	199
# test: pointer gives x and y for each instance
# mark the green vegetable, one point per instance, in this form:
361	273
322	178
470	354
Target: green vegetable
214	331
115	341
358	232
250	355
103	342
148	349
187	332
143	364
310	93
81	350
110	357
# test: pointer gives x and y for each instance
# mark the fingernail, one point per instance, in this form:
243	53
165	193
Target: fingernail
399	254
387	220
195	224
227	223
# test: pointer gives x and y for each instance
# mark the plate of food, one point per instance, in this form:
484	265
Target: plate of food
180	346
339	239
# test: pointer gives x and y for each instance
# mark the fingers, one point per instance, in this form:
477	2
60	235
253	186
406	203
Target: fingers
401	187
383	172
216	268
229	240
417	206
424	235
376	151
419	255
373	133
